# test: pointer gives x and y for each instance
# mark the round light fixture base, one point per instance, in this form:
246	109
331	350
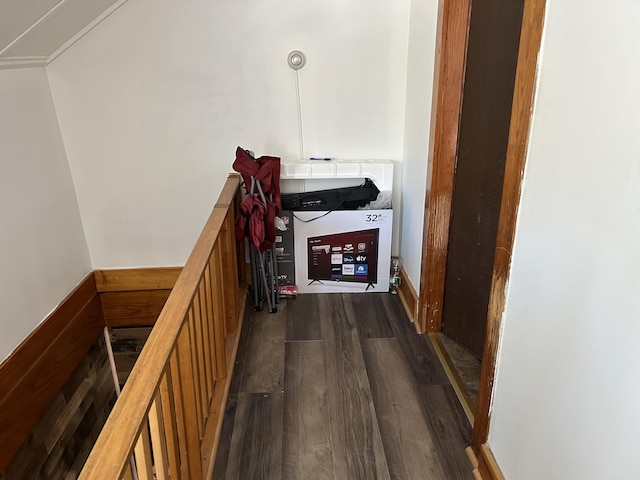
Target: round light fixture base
296	60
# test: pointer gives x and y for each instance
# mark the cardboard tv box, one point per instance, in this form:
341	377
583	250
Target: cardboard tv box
343	251
285	258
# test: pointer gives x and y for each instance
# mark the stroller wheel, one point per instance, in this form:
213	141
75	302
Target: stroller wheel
258	308
273	310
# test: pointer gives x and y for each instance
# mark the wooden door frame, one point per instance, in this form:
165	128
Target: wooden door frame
451	47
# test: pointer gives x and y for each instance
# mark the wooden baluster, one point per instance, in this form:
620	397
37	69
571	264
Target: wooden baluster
170	426
219	323
181	427
142	450
230	274
127	474
158	439
189	402
196	355
206	327
211	321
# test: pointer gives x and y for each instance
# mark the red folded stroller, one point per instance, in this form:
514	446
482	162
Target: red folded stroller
256	222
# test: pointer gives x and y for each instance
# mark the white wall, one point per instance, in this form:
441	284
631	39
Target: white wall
420	65
567	390
44	254
153	102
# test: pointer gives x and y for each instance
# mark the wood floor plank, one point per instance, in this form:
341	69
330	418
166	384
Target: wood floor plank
263	370
224	447
388	407
357	445
370	315
243	346
256	443
306	444
343	354
357	451
418	350
411	452
303	322
444	424
460	418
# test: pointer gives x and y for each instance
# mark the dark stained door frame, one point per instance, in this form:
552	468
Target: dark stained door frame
492	54
451	52
453	27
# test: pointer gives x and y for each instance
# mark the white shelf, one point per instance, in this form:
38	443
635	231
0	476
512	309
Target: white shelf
379	171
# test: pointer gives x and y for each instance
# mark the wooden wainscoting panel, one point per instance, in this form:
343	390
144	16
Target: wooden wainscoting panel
59	444
131	279
43	363
134	297
133	308
408	297
16	366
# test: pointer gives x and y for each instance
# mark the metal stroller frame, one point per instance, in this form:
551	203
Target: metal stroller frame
264	269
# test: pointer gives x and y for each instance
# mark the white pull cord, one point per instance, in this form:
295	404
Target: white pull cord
300	136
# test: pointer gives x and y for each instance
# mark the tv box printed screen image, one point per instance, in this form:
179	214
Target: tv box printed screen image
343	251
346	257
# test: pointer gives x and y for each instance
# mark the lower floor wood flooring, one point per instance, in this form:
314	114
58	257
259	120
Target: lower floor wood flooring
339	386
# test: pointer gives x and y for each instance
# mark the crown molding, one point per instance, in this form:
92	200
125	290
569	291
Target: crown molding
23	62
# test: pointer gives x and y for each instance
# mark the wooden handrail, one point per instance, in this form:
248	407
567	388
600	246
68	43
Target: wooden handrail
168	396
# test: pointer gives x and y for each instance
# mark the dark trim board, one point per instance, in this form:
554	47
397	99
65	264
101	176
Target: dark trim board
485	117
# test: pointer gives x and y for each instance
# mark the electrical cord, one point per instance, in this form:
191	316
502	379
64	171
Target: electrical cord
332	210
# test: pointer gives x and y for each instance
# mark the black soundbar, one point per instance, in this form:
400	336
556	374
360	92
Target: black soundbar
348	198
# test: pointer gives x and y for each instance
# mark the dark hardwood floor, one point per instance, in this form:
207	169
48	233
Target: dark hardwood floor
339	386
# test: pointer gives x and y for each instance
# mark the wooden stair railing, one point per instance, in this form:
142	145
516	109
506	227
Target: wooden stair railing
168	418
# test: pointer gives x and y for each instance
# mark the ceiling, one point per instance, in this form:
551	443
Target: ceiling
34	32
